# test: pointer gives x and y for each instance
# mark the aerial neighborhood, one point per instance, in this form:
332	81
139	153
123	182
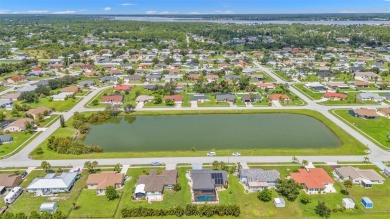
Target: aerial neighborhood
217	116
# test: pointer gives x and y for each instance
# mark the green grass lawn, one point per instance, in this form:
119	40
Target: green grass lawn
350	146
19	138
376	128
28	202
308	92
213	103
90	205
59	106
48	121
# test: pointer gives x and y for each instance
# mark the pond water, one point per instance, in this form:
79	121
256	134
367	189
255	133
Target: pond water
208	132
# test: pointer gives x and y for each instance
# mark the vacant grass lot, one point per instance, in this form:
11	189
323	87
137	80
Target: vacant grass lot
90	205
19	138
59	106
349	144
377	129
308	92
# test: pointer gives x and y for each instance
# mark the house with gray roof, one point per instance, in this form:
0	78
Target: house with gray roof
225	98
5	138
52	184
199	98
153	78
153	185
369	96
258	179
26	88
86	83
205	184
41	83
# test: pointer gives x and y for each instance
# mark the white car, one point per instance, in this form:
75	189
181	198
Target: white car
211	154
236	154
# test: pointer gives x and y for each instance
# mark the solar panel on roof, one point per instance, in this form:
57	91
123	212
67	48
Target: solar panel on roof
218	179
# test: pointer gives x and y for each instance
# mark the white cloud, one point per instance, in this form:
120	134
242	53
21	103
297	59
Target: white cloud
168	12
387	0
127	4
4	11
151	12
38	12
107	8
64	12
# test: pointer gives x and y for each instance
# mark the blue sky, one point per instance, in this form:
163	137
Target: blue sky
191	6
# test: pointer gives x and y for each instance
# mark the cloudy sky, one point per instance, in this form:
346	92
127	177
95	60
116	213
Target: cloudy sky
191	6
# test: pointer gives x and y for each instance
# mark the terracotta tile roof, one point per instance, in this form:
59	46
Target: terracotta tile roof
122	88
335	95
265	85
313	178
18	78
174	97
112	98
71	89
366	112
105	179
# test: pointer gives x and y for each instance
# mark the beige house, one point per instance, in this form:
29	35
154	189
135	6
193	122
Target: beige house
18	125
40	110
359	176
100	181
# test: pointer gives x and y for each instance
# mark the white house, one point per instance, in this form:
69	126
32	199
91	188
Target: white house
53	184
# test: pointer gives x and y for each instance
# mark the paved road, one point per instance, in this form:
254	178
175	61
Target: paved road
377	154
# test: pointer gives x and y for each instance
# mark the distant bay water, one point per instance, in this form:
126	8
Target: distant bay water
227	21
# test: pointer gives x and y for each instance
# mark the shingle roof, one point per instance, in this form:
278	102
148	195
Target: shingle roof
260	175
356	172
155	183
10	180
105	179
202	179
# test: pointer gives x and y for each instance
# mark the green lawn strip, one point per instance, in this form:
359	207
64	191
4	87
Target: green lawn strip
59	106
90	205
350	146
308	92
351	100
376	129
49	120
19	139
282	75
171	198
28	202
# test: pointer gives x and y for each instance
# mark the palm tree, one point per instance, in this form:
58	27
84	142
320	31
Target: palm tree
28	127
294	159
347	184
366	159
45	166
305	163
215	165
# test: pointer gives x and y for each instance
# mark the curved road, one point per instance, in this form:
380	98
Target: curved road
21	159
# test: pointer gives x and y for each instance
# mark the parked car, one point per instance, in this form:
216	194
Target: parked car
155	163
24	174
236	154
211	154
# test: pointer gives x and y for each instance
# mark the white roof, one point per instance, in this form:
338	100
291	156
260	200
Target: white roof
52	182
140	188
278	200
348	201
48	205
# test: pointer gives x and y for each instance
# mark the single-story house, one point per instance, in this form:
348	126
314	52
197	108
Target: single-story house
144	99
112	99
18	125
206	182
173	77
26	88
52	184
364	113
122	87
338	85
71	89
11	96
176	98
258	179
250	98
9	181
211	78
369	96
357	175
257	77
314	180
278	97
5	139
61	96
364	76
153	78
86	83
335	96
316	86
100	181
266	85
108	79
152	186
385	112
132	78
360	84
225	98
16	79
199	98
40	110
